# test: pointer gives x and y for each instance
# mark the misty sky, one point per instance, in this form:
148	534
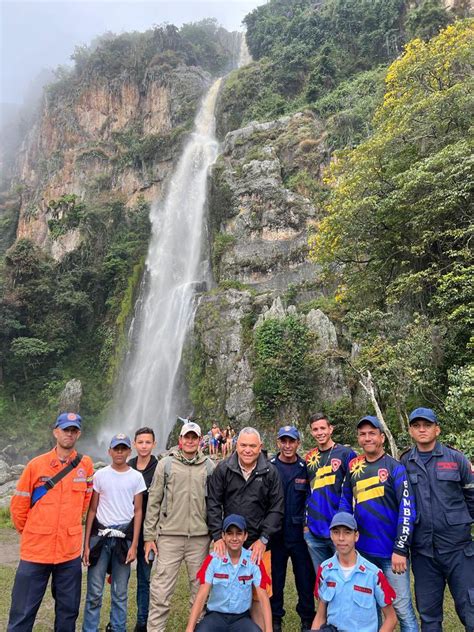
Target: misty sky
37	35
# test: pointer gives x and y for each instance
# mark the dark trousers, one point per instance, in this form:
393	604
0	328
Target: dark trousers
220	622
143	583
304	578
30	584
455	568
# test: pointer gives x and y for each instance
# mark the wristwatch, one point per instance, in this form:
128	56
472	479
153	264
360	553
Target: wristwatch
263	539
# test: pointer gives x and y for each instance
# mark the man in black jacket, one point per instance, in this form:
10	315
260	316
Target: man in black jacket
248	485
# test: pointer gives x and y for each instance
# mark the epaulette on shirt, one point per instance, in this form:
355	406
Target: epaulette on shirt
405	452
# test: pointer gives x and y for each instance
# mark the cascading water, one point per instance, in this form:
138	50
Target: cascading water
165	310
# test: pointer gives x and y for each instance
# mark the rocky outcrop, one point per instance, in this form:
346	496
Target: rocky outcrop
226	375
259	222
120	136
70	398
10	471
262	222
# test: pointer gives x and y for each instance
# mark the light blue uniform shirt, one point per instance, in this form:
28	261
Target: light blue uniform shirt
352	602
231	591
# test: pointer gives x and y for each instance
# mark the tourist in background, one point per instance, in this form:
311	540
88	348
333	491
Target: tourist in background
227	441
289	541
442	550
49	519
327	467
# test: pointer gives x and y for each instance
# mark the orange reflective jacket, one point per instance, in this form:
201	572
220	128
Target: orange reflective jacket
51	530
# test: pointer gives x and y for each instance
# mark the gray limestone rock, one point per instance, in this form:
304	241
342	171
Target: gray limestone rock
70	398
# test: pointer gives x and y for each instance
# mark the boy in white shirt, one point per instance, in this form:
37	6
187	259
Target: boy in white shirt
112	530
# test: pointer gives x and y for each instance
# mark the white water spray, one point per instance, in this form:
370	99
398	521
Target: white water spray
165	310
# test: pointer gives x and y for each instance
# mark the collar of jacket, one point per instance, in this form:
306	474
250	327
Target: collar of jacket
198	458
55	460
261	467
437	451
133	463
298	460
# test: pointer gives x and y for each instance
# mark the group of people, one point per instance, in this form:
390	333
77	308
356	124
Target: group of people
221	442
351	525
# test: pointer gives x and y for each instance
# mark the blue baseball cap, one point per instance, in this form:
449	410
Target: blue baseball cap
236	521
344	519
120	439
68	420
424	413
289	431
373	421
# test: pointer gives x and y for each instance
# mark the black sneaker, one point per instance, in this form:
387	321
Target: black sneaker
108	628
140	627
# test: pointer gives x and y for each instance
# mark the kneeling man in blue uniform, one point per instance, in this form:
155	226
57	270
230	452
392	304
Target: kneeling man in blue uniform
349	587
230	581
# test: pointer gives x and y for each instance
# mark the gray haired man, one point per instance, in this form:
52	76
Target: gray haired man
248	485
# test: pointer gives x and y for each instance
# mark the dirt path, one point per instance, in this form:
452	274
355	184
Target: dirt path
9	547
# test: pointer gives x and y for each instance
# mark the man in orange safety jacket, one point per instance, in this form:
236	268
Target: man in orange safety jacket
48	515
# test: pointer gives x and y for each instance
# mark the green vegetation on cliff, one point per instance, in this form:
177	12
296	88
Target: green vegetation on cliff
311	54
285	369
67	319
398	226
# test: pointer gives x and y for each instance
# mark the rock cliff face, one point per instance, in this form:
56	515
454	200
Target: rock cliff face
260	225
109	135
259	228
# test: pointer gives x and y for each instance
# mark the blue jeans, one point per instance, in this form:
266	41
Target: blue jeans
320	549
401	585
95	588
143	583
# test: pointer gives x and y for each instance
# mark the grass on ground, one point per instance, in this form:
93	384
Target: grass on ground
179	605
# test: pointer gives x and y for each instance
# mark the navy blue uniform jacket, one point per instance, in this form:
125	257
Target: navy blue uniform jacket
444	491
296	492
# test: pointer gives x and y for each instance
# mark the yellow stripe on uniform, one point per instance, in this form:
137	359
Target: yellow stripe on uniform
375	492
322	482
322	471
367	482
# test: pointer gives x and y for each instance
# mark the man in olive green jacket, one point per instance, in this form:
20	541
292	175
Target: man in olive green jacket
175	526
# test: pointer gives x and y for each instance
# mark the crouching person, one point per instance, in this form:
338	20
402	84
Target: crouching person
112	529
349	587
230	581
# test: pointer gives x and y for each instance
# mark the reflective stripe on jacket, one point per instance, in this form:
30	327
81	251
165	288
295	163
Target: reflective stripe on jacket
51	530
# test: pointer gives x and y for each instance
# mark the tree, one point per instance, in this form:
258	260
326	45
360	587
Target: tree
399	213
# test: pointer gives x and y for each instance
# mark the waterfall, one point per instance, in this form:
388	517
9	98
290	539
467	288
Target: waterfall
165	309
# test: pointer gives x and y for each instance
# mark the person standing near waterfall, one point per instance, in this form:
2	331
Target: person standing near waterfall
47	507
145	463
175	524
